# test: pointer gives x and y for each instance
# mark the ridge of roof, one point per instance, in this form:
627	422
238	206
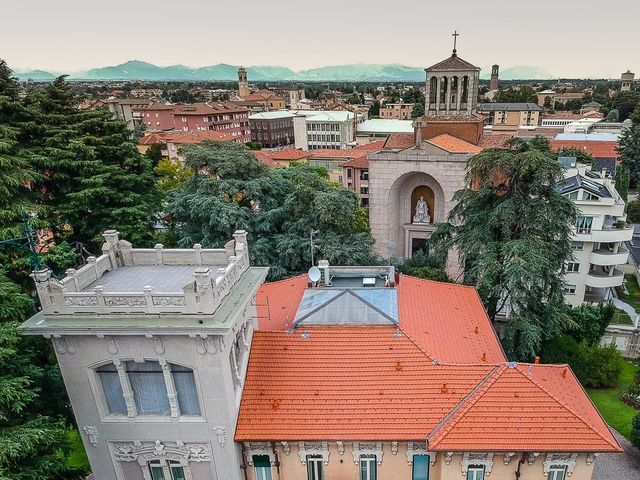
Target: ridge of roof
466	402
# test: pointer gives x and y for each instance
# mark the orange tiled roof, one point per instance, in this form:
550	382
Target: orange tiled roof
347	383
422	379
596	149
266	159
400	141
520	406
197	136
360	162
448	320
494	141
290	154
453	145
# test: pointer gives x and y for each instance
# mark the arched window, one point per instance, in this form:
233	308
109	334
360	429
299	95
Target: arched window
465	89
433	89
454	90
443	89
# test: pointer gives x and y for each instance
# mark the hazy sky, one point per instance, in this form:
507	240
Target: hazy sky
567	38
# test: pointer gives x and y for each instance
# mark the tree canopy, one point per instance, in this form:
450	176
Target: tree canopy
512	230
232	190
91	176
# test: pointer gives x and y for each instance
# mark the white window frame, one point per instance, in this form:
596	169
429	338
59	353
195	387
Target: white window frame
367	448
368	459
313	448
484	460
568	460
557	472
165	464
315	467
573	267
474	470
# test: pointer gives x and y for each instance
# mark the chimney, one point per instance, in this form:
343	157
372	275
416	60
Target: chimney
323	265
417	128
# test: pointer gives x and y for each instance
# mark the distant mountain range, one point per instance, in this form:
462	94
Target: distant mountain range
138	70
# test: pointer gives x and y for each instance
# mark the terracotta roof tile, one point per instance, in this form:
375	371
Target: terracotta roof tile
350	383
197	136
266	159
400	141
596	149
440	374
453	145
453	63
290	154
361	162
511	411
494	141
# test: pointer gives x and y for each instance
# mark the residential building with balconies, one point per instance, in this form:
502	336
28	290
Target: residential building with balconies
598	235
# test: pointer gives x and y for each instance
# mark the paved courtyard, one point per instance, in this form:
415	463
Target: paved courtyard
614	466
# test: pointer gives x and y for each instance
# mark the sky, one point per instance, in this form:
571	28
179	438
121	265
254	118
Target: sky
567	38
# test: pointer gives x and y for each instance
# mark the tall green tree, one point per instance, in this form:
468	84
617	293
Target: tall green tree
629	147
15	171
91	175
32	443
512	231
231	190
623	179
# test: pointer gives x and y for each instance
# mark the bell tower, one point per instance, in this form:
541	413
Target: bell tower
243	82
494	77
452	85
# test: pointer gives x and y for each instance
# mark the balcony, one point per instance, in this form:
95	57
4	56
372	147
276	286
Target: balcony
606	235
606	257
600	278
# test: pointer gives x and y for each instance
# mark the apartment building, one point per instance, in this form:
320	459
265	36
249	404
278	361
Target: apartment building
598	236
128	110
319	130
272	129
224	117
396	111
509	117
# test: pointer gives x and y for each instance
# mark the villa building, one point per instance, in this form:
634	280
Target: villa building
599	235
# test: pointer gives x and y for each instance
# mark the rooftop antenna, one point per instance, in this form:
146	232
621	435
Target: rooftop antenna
312	232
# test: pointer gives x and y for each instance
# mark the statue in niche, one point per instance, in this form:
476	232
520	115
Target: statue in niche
422	212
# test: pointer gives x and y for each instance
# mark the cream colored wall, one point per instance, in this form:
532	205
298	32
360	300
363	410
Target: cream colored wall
395	467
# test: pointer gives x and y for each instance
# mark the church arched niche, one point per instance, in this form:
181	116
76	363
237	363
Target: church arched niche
433	89
444	84
427	194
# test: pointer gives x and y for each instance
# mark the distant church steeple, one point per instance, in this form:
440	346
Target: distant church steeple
243	82
494	77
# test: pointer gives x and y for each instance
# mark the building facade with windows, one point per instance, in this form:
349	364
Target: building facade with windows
320	130
272	129
153	345
224	117
396	111
509	117
599	234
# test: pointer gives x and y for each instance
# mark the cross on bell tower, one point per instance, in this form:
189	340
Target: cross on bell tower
455	36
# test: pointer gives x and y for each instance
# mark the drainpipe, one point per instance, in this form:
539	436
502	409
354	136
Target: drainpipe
275	455
243	467
520	463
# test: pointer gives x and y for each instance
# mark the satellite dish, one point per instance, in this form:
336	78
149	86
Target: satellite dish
314	274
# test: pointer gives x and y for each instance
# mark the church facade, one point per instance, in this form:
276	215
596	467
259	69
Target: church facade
430	164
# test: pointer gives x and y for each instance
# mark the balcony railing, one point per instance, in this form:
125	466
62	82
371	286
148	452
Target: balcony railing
603	279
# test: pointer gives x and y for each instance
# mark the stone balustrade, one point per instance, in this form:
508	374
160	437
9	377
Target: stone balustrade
214	274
